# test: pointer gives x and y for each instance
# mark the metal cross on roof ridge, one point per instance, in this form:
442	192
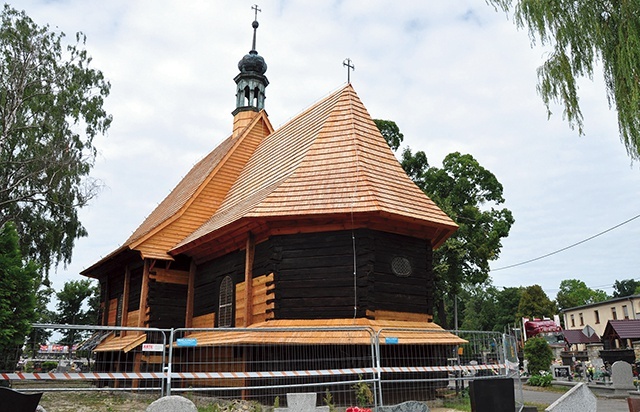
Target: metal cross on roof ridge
255	25
350	66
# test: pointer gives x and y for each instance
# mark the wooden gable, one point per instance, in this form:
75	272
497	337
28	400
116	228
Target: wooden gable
199	195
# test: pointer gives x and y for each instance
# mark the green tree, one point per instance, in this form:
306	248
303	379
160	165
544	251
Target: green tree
583	34
18	284
574	292
538	354
76	306
508	301
469	194
39	336
50	111
627	287
534	303
480	309
488	308
391	133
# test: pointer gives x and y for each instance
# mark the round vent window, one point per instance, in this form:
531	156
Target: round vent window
401	266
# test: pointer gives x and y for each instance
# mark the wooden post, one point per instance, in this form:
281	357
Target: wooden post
104	297
144	292
125	299
188	322
248	280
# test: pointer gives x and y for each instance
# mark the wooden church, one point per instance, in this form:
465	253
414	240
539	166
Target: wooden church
312	224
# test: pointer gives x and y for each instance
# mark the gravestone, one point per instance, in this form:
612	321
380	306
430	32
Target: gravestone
622	376
302	402
13	401
492	395
409	406
561	372
577	399
172	403
634	404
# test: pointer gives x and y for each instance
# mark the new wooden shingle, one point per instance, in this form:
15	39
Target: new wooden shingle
330	160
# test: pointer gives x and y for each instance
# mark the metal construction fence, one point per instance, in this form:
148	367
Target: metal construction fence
343	365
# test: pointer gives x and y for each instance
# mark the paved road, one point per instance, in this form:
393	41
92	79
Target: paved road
547	398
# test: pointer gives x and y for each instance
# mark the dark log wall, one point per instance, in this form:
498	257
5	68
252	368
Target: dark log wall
314	274
115	286
167	304
112	288
410	291
208	278
135	286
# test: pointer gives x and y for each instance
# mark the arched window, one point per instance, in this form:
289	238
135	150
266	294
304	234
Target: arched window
247	96
256	93
225	303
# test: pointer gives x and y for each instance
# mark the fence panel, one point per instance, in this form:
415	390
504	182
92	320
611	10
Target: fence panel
263	365
430	364
108	358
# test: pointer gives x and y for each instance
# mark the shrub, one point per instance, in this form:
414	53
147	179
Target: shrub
538	354
48	366
541	379
364	395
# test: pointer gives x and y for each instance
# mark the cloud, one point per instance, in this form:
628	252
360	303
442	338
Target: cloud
455	76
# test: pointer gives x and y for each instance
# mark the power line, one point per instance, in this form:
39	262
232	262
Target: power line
567	247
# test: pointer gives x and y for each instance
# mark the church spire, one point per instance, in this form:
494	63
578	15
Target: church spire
251	81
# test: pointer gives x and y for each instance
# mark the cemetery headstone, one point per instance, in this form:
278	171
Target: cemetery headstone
492	395
561	372
622	376
13	401
302	402
172	403
577	399
409	406
634	404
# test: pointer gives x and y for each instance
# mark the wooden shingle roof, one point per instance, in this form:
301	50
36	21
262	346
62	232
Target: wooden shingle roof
328	161
199	194
331	159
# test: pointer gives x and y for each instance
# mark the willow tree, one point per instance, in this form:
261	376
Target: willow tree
50	111
583	34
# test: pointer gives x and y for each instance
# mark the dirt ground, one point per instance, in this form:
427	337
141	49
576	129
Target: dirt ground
94	401
110	402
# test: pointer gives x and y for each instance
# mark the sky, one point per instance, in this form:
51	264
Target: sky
454	75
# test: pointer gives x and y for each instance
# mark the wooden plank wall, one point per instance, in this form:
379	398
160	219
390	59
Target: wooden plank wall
262	300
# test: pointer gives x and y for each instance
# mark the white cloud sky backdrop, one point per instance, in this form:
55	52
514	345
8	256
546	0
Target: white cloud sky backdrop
454	75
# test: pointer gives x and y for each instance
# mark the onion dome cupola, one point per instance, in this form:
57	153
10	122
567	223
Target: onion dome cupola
251	82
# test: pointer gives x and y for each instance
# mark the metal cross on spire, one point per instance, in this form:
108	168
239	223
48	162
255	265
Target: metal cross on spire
255	24
350	66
